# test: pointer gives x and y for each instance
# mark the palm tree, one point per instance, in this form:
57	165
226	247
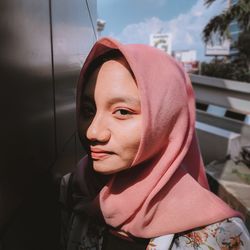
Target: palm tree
240	12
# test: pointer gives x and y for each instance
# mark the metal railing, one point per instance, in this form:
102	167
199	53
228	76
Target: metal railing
223	116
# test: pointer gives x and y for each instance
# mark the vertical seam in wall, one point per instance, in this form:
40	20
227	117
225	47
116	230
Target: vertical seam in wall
53	76
76	150
93	26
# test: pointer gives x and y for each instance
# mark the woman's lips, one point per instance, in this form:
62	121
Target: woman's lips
99	154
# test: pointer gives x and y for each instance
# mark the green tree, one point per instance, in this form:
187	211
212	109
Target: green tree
243	46
240	12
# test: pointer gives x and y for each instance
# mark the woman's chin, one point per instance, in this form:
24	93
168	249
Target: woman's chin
107	168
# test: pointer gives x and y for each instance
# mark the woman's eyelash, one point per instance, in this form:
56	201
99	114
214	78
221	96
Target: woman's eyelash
123	112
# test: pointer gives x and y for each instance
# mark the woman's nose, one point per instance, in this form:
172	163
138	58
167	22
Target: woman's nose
98	130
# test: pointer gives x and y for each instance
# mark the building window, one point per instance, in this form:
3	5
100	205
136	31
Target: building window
234	2
234	27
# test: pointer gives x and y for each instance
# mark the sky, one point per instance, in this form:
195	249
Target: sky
132	21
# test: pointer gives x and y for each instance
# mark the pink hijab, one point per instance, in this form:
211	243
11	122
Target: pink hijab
165	191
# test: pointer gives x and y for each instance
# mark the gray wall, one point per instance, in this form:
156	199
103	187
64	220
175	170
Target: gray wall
43	44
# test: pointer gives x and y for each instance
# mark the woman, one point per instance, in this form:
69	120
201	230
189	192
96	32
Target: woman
142	184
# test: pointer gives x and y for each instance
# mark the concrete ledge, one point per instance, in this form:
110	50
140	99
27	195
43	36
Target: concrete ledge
231	182
216	142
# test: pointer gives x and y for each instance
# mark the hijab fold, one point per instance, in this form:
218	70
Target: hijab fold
165	191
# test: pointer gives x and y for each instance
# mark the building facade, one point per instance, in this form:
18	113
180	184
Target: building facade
234	32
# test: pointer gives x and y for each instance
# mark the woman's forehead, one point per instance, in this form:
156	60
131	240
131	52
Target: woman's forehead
111	83
114	69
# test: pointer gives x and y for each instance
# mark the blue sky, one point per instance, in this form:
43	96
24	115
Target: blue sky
132	21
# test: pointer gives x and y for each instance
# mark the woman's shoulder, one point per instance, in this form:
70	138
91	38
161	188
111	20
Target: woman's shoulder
227	234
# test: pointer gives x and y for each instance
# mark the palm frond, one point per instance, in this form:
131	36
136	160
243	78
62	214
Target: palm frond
219	24
208	2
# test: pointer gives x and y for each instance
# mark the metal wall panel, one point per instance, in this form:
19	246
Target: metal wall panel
27	118
43	44
72	39
92	9
73	34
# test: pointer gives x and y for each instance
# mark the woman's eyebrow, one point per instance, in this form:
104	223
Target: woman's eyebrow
124	99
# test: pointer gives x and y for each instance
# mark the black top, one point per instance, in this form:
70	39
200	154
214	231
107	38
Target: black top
113	241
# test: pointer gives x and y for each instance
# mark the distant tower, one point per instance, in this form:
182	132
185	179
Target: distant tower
100	26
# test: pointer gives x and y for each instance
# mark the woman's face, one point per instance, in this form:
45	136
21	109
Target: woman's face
111	117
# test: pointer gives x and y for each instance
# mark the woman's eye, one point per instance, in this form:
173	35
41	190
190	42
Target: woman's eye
123	113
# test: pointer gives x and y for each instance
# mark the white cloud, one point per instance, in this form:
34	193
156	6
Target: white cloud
186	28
